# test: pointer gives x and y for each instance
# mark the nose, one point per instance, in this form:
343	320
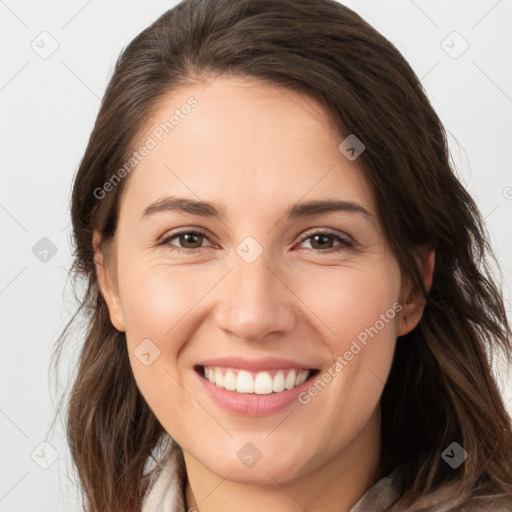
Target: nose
255	301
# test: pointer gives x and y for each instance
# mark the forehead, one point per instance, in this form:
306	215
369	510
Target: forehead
240	142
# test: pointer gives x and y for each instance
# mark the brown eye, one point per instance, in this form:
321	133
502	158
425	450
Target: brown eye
187	241
190	240
323	241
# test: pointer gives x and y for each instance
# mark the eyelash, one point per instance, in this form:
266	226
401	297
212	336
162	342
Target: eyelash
345	244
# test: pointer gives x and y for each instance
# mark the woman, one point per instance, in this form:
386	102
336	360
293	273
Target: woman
322	344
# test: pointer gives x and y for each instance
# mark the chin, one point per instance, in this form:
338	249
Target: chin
268	469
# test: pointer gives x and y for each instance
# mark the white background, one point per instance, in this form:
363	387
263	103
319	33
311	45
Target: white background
48	107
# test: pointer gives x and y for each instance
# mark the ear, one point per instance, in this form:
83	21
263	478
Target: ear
107	283
412	310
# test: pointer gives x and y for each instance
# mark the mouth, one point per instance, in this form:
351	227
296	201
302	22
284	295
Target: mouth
266	382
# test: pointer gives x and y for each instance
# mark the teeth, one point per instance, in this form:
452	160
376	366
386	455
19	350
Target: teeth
244	382
229	381
303	375
278	382
289	382
219	378
261	383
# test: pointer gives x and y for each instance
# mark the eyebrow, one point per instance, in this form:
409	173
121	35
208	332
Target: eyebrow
298	210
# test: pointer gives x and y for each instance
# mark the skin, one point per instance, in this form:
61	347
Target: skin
254	150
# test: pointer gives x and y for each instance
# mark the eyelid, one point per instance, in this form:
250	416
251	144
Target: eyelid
164	239
327	231
186	230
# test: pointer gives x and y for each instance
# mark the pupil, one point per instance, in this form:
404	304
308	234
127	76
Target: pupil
324	237
187	238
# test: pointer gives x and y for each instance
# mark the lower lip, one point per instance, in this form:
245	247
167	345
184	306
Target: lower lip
252	404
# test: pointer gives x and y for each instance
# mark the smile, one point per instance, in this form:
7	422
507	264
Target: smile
261	383
253	387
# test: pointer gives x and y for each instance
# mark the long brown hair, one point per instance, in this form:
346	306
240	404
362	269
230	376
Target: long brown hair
441	388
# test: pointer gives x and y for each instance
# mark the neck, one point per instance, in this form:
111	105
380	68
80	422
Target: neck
336	485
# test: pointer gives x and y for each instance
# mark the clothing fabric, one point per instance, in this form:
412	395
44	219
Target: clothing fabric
165	491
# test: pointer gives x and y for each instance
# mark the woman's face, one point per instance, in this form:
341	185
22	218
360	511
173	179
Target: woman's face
269	285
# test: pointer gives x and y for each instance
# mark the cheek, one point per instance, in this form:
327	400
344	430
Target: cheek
155	299
158	305
357	312
353	303
368	312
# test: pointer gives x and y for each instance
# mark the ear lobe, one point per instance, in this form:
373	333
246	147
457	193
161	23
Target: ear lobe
412	311
106	284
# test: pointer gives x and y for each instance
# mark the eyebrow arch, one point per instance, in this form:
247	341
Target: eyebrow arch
317	207
298	210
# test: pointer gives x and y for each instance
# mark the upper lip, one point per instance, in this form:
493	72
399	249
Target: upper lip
255	365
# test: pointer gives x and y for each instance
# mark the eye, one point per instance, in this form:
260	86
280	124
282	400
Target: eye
322	241
191	241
